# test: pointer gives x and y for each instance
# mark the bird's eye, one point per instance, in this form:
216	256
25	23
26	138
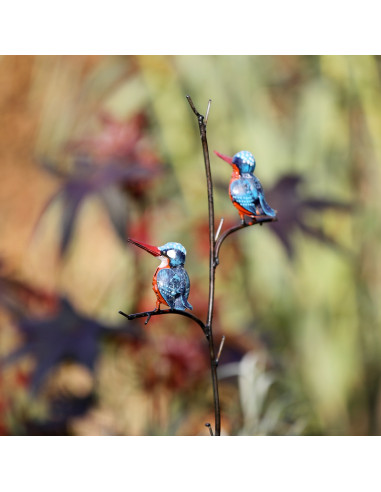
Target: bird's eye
171	253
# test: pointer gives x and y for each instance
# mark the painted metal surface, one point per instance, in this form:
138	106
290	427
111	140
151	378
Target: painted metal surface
170	281
245	189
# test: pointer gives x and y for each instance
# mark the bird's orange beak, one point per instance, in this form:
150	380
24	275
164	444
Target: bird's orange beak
226	158
153	250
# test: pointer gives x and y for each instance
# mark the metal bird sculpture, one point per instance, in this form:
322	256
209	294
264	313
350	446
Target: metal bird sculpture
170	281
245	190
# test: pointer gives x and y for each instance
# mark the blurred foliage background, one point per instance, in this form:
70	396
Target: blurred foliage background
96	149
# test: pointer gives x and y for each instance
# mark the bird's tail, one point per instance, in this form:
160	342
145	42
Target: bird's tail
182	304
266	207
189	305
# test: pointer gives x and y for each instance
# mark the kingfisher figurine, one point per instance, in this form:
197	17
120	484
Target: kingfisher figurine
245	190
170	281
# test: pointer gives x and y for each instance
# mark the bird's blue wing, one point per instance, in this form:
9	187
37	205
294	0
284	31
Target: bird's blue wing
187	289
174	286
267	210
244	194
168	285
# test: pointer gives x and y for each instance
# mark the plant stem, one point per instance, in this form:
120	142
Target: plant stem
212	265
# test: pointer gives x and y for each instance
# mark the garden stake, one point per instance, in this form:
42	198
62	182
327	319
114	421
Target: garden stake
247	196
242	162
212	265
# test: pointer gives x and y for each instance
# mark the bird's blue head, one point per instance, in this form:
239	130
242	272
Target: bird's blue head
242	161
175	252
245	161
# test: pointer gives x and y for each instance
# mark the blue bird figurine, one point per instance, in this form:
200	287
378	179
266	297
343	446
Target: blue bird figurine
170	281
245	190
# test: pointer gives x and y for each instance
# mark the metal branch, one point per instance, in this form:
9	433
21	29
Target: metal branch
148	314
207	112
219	229
193	107
258	220
220	349
212	266
210	428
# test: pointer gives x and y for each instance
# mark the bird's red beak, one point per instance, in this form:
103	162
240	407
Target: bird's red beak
226	158
147	247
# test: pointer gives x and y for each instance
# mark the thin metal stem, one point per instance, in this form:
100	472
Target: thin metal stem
207	112
219	229
212	266
210	428
166	311
220	349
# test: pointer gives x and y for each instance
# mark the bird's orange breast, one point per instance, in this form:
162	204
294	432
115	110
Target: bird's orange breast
236	204
155	286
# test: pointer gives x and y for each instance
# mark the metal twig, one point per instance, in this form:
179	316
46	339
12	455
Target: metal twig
219	228
210	428
207	112
220	349
193	106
